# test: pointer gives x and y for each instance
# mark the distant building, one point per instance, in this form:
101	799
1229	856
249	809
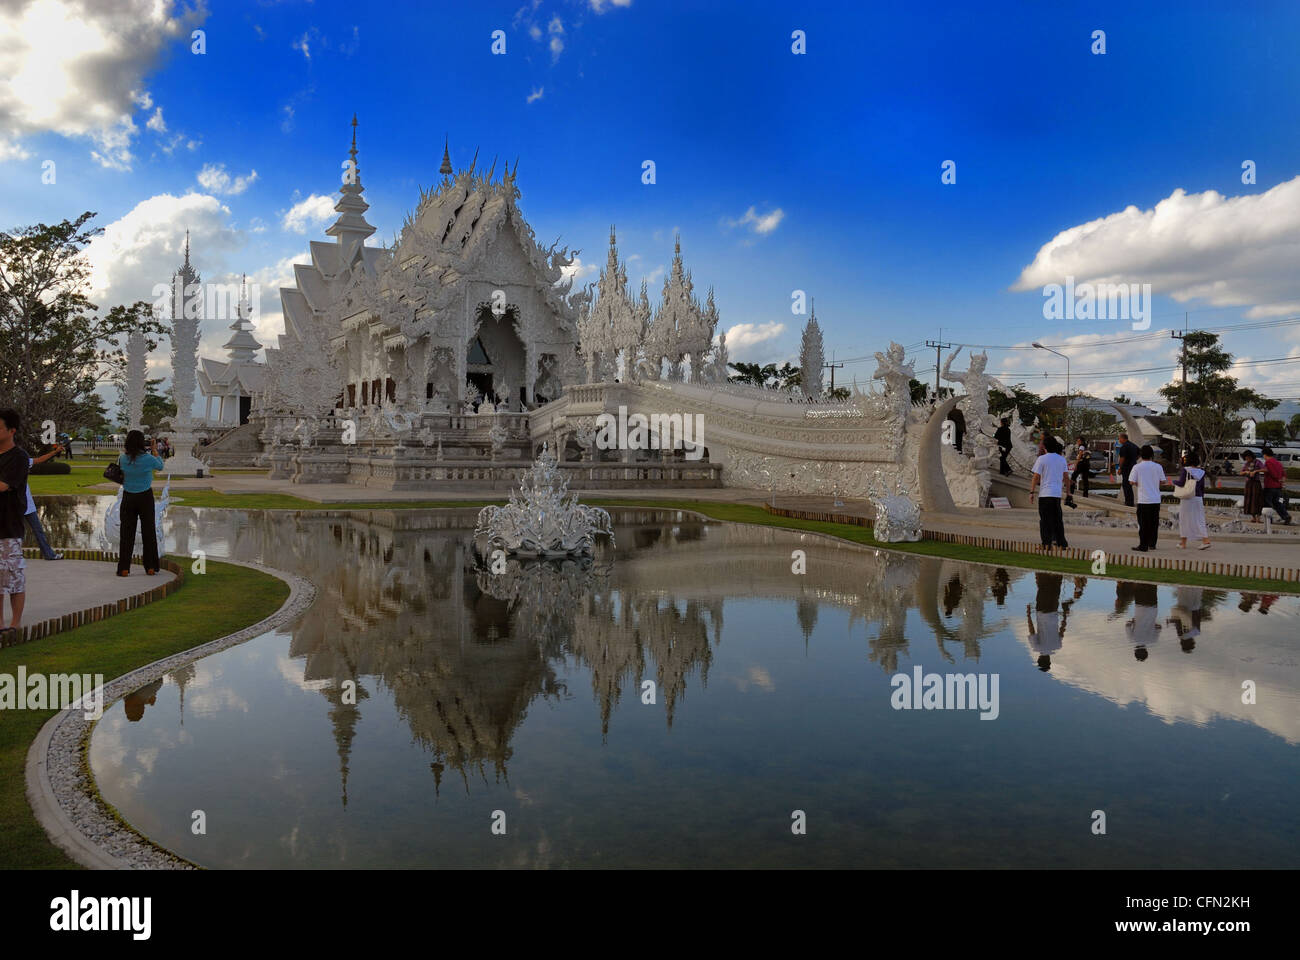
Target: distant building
232	382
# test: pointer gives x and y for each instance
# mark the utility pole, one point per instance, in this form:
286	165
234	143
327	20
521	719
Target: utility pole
1182	397
832	366
939	347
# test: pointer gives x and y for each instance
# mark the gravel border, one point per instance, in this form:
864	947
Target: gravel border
60	790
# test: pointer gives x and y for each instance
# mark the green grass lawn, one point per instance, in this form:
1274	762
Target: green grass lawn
225	599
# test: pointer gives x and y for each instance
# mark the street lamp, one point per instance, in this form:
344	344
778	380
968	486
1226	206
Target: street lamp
1067	371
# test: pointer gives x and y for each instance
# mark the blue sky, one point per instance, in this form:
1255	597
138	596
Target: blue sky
837	153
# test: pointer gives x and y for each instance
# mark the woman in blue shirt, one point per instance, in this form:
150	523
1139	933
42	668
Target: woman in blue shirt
137	502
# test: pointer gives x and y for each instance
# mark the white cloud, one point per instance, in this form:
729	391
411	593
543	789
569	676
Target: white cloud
77	68
536	95
745	336
156	123
600	6
214	178
1228	251
556	29
313	211
303	44
145	246
761	224
578	271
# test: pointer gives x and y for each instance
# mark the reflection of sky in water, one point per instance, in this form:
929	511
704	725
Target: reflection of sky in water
523	693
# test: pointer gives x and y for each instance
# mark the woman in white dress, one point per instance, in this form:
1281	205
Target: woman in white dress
1191	511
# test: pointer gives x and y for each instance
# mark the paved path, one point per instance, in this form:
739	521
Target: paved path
56	587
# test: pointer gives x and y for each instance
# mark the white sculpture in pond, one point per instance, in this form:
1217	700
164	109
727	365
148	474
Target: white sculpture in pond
112	535
898	518
542	518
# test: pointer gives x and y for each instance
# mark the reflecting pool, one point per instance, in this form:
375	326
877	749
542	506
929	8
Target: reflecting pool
689	698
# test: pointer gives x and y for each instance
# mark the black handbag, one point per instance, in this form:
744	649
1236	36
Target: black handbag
114	472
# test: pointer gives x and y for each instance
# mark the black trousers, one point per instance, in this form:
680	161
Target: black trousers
138	507
1051	525
1080	478
1148	524
1003	467
1128	489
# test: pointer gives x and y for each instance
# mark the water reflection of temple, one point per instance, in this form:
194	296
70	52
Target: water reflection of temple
404	604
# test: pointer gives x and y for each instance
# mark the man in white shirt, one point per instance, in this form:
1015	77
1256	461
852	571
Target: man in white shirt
1050	479
1147	475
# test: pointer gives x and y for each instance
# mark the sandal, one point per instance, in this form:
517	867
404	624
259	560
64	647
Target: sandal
1204	546
124	573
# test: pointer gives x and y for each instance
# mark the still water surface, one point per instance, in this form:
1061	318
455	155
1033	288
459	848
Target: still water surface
523	693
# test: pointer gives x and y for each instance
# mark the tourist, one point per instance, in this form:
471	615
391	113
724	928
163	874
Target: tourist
1274	482
137	502
1046	639
1082	467
1002	436
1128	458
13	503
1050	474
1147	476
32	517
1252	501
1143	629
1191	510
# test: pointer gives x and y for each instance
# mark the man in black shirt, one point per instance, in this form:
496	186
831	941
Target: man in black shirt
1002	436
13	504
1128	458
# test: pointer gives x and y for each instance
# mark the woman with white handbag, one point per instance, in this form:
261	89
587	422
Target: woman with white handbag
1189	488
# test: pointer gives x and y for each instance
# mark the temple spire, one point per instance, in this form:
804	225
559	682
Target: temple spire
351	227
187	246
445	169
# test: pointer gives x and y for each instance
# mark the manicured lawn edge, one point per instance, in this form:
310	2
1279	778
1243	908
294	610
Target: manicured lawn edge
224	600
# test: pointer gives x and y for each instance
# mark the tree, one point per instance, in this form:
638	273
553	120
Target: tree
53	344
789	376
1293	425
1030	404
1265	405
156	406
1270	431
1204	409
1122	398
753	373
91	417
921	391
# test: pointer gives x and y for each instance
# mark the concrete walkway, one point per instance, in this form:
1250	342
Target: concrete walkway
58	587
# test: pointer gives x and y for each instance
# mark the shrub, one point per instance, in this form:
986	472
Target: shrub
51	467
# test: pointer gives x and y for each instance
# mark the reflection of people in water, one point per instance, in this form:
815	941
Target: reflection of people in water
1001	580
1079	584
1144	628
1047	638
951	595
1123	598
1265	600
1186	616
136	701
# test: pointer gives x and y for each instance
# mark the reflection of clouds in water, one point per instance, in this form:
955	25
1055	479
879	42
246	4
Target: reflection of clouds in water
293	670
1196	687
755	677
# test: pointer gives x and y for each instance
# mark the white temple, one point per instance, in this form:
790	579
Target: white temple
449	359
232	383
